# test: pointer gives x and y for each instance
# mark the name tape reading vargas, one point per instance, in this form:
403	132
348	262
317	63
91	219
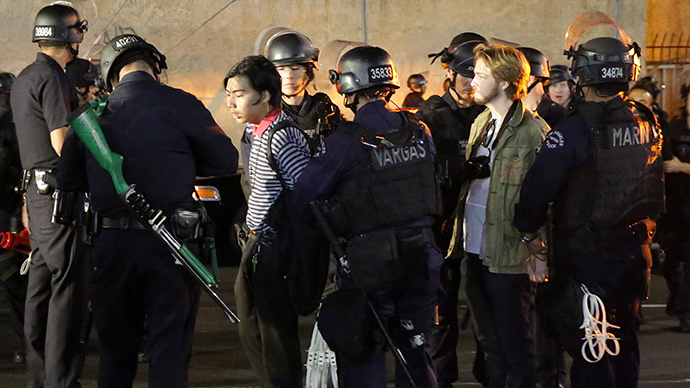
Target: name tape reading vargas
43	31
629	136
378	73
389	157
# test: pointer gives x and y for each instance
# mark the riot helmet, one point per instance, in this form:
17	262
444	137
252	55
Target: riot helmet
603	62
58	24
459	55
560	73
416	81
125	49
6	81
538	63
362	68
291	47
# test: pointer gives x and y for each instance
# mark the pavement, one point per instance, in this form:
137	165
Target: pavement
218	360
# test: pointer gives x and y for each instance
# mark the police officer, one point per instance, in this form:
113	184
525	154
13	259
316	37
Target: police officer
295	57
417	85
83	74
674	225
449	118
13	283
536	99
562	87
550	358
379	171
56	300
601	167
167	138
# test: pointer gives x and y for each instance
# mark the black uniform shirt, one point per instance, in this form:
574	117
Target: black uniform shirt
167	138
41	100
551	112
413	100
566	146
449	123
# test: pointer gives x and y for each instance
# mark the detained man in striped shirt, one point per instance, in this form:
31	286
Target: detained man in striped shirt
268	328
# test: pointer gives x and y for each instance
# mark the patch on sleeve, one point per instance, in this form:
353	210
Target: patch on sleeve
554	139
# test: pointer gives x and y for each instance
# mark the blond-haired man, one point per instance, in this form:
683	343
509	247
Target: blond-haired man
503	144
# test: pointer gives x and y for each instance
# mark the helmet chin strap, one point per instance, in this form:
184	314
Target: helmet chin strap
452	86
535	83
71	49
352	105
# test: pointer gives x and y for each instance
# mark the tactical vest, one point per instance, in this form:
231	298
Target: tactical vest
622	182
450	128
316	119
398	186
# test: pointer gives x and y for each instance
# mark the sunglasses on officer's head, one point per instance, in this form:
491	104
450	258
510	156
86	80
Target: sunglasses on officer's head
81	25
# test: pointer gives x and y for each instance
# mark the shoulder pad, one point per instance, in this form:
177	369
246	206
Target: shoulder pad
591	112
432	103
351	129
321	97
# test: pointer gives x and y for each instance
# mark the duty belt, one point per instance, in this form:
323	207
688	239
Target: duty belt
641	231
39	174
120	223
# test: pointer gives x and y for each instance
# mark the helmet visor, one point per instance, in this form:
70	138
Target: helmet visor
586	21
328	60
266	36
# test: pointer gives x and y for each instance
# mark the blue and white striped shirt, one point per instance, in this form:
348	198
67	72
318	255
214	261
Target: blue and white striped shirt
291	152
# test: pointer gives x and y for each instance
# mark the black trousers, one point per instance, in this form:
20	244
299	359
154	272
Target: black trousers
616	274
268	327
443	339
56	299
500	305
134	277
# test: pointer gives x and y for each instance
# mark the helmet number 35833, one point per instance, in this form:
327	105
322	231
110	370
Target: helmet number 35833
380	72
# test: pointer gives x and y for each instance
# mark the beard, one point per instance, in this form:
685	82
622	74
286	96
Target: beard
485	99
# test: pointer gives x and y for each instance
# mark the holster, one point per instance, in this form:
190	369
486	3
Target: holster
190	225
68	207
45	180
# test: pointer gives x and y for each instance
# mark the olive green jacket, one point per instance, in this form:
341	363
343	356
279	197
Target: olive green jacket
515	152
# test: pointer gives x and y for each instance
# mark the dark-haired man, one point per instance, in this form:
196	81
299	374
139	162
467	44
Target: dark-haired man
167	138
279	152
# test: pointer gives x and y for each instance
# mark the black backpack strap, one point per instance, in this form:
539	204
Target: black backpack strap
269	143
